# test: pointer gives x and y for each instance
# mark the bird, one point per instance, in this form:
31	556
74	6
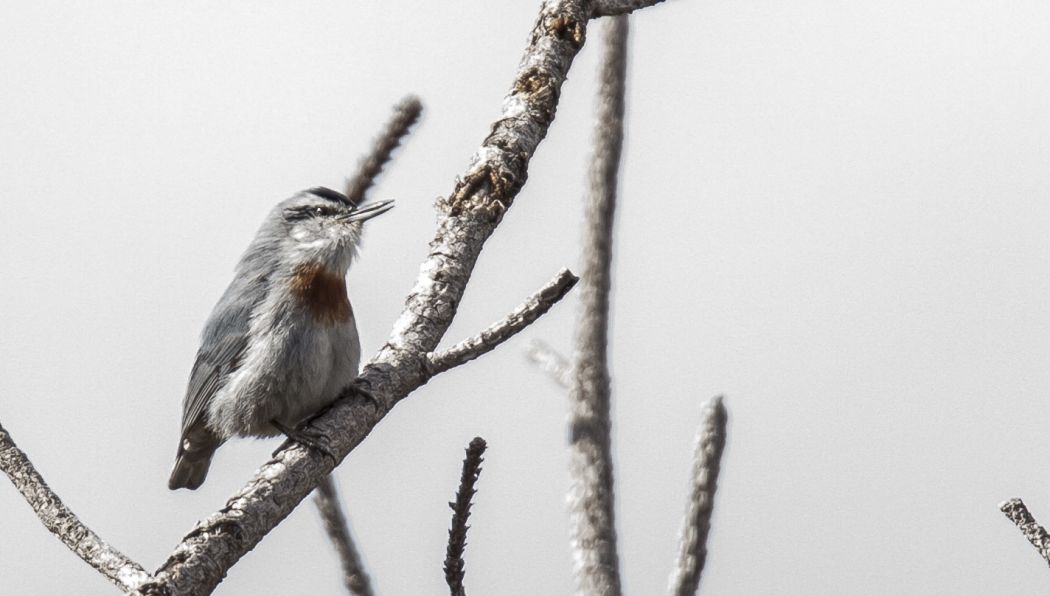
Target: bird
282	341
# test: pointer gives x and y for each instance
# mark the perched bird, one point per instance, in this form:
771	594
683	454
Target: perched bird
282	341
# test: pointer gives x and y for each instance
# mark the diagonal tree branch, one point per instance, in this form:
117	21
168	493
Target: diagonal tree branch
692	549
355	578
533	308
63	523
590	462
470	215
611	8
457	533
406	112
1017	512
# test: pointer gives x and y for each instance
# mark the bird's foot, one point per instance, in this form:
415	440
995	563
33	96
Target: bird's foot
305	435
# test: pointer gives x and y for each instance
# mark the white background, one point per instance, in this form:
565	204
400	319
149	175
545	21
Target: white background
834	213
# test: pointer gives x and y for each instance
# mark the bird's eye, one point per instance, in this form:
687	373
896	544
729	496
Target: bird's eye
319	211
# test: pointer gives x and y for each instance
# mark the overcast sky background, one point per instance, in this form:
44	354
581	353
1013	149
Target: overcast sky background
833	213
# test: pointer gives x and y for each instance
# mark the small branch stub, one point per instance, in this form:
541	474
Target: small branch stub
692	549
1016	511
457	534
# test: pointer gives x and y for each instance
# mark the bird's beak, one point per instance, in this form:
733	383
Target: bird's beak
370	210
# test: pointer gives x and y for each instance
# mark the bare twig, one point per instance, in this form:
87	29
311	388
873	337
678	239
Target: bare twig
470	215
355	578
591	494
551	362
1016	512
63	523
692	544
500	331
611	8
457	533
406	112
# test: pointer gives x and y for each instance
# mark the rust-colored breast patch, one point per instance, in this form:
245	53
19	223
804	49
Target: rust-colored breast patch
323	293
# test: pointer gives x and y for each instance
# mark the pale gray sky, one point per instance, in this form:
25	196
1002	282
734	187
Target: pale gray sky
834	213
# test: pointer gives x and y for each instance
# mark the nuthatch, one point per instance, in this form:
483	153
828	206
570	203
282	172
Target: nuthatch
282	341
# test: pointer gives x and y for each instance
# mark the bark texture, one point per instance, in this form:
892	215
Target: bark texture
1016	511
119	569
692	545
590	432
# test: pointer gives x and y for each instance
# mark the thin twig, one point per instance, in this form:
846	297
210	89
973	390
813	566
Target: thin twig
468	218
355	578
611	8
1016	512
406	112
551	362
591	494
63	523
521	317
457	533
692	543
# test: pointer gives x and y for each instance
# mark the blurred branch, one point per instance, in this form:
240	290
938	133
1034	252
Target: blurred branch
611	8
1016	512
523	316
63	523
457	533
355	578
551	362
590	465
406	112
692	549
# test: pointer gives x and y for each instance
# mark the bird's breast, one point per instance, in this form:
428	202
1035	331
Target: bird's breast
322	292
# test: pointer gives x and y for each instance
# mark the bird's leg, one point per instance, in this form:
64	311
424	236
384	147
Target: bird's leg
306	435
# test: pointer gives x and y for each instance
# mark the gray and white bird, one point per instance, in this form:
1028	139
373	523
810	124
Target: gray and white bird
282	341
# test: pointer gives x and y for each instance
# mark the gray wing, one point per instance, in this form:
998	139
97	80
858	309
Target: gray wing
223	343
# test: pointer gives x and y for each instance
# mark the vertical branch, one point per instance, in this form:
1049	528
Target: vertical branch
355	578
692	549
457	534
591	494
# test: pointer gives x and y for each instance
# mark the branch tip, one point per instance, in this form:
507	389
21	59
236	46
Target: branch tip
457	533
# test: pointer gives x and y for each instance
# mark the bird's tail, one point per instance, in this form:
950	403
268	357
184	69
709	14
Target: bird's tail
191	467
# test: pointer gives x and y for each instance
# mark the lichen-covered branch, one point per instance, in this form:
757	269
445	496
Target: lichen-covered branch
63	523
593	529
500	331
469	216
457	532
551	362
355	578
1017	512
611	8
692	543
406	112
